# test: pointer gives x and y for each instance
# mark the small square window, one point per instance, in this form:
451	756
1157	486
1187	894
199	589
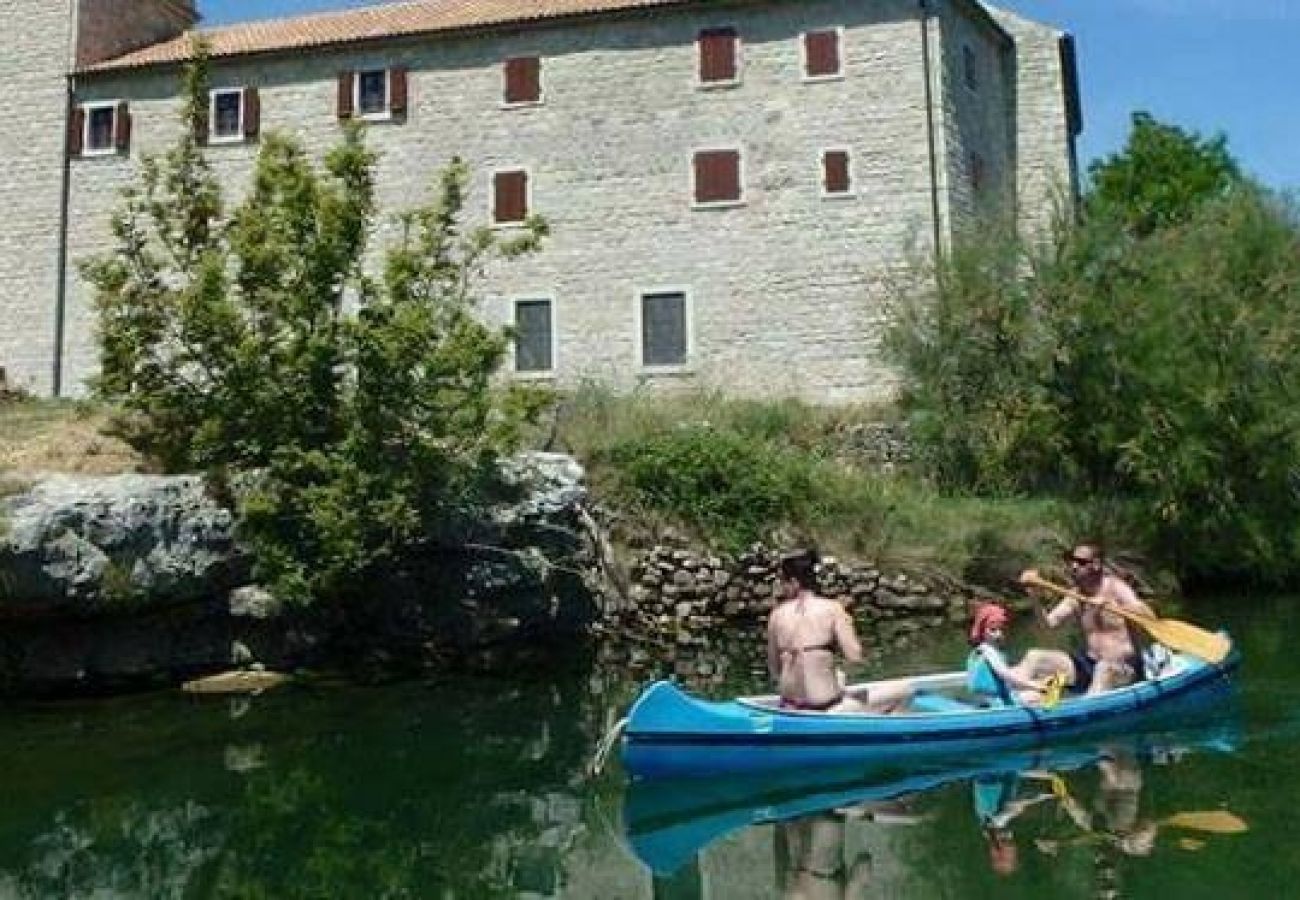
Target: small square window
719	50
101	124
510	197
717	176
533	336
372	92
663	329
837	180
523	80
228	115
821	54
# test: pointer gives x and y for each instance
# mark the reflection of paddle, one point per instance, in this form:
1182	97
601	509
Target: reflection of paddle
1217	821
1175	634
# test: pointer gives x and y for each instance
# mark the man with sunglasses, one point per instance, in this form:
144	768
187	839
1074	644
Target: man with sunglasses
1109	658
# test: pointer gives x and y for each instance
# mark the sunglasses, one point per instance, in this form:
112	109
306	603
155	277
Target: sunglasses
1079	561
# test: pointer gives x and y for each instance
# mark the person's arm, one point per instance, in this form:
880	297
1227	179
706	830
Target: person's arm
1006	673
847	636
1061	612
1124	595
773	650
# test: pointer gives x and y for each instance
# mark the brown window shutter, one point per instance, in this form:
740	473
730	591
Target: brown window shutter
978	176
717	176
76	130
718	54
345	94
122	128
523	79
835	166
397	90
510	201
252	112
821	53
202	124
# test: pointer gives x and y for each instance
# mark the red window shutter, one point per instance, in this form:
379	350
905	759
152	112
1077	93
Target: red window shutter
718	54
835	170
252	112
510	196
397	90
717	176
523	79
76	130
345	95
821	53
122	128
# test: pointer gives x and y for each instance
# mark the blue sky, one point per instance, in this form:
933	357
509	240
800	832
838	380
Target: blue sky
1230	66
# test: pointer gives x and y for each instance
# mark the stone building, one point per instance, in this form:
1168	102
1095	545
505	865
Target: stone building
729	183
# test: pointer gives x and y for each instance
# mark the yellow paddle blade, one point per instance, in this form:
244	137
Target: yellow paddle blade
1052	690
1218	821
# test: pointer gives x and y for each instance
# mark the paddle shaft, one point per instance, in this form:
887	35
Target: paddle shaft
1181	636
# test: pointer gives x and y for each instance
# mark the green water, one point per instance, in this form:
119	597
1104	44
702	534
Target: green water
477	788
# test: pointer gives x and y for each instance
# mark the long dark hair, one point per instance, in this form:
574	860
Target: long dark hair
801	566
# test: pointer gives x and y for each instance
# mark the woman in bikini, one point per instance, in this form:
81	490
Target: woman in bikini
804	634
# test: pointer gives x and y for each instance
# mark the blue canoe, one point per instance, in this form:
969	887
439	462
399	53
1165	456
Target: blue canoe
670	734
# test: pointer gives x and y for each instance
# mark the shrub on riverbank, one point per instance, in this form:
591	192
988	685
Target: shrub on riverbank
1146	361
735	471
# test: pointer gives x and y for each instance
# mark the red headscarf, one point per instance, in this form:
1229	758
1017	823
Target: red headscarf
987	615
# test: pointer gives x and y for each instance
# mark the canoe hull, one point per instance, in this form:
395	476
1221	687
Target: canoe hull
671	734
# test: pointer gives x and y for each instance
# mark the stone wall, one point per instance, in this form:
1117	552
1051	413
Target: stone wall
684	606
35	49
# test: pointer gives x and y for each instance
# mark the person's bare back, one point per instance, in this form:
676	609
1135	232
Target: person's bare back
804	633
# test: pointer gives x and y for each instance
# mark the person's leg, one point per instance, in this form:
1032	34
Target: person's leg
1039	663
883	697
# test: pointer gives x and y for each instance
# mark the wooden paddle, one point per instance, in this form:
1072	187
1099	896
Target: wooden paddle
1177	635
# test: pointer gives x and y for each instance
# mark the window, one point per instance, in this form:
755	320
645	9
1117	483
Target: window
100	129
717	177
837	180
227	115
372	93
970	71
523	80
663	329
821	54
718	52
534	340
510	197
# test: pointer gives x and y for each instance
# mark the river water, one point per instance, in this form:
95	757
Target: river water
477	788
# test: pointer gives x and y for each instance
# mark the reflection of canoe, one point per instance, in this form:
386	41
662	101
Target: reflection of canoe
672	734
668	822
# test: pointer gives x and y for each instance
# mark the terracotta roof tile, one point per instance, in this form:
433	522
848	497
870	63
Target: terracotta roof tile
368	23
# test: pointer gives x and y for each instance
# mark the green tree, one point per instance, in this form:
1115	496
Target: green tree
1161	176
229	343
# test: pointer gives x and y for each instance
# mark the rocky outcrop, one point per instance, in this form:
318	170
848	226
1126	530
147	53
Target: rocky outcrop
119	581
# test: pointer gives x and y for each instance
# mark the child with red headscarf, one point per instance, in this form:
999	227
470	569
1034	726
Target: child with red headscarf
987	672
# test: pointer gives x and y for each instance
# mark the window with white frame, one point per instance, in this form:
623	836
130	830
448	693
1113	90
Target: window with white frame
372	92
534	337
663	329
227	115
101	128
718	52
716	177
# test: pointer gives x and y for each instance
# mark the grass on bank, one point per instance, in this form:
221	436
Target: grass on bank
59	436
734	471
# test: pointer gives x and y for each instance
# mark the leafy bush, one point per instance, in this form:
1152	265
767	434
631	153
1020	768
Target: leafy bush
1147	362
228	342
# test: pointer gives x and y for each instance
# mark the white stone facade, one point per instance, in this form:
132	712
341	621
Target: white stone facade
783	292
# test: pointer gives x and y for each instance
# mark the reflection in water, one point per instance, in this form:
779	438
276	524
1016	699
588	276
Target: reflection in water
829	827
